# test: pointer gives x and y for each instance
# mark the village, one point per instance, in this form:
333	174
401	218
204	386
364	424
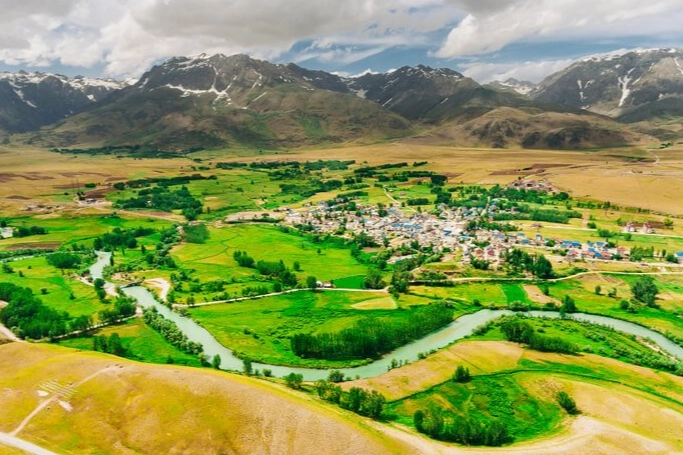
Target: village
451	230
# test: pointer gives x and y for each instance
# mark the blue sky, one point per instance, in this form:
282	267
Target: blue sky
485	39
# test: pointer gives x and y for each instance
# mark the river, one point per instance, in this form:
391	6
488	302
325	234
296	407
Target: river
460	328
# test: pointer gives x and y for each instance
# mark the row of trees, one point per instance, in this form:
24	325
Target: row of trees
445	426
518	330
170	331
120	238
111	344
64	260
276	270
372	338
369	403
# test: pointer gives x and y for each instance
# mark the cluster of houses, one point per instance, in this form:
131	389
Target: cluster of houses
538	185
444	231
647	227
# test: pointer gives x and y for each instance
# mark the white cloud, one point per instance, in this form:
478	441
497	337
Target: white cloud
491	25
126	36
526	71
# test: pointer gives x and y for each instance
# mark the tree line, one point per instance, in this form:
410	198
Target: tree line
446	426
29	317
170	331
369	403
371	338
520	331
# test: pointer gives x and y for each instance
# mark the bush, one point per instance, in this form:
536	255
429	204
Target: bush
462	374
567	403
294	380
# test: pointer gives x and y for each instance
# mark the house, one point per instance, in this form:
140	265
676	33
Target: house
6	232
679	256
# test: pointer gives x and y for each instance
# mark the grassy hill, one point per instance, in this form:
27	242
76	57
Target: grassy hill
130	408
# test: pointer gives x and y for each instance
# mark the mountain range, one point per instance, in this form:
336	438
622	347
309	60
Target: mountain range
237	101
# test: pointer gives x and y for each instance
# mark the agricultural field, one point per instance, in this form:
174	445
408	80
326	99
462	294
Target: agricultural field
261	329
217	226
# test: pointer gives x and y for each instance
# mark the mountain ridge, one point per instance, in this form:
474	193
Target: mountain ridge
229	101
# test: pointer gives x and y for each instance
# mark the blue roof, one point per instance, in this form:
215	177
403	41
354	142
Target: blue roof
679	254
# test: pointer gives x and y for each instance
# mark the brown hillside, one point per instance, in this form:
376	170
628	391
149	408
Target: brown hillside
132	408
509	127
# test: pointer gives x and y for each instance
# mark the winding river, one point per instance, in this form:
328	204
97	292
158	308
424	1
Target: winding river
460	328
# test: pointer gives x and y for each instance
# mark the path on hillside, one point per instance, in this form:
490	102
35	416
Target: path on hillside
9	334
53	399
23	445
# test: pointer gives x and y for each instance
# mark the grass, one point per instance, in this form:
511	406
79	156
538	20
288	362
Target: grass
67	230
501	398
664	319
518	387
214	260
261	328
486	293
216	409
37	275
514	293
350	282
141	342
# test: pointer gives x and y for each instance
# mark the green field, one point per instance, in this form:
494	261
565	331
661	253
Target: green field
261	328
214	260
141	342
493	397
59	287
67	230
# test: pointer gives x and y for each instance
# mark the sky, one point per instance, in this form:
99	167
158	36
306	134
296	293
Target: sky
484	39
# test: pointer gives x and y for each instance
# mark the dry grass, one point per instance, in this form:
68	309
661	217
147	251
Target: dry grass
133	408
538	296
478	356
382	303
34	174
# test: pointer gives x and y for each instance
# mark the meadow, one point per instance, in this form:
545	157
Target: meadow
260	329
141	343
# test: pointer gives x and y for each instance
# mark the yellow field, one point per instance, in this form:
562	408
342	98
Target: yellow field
602	175
123	407
478	356
382	303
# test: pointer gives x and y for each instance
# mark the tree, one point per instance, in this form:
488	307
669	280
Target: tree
542	267
462	374
246	367
567	403
296	266
114	345
373	280
598	290
311	282
216	362
645	291
335	376
99	283
568	305
294	380
400	281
